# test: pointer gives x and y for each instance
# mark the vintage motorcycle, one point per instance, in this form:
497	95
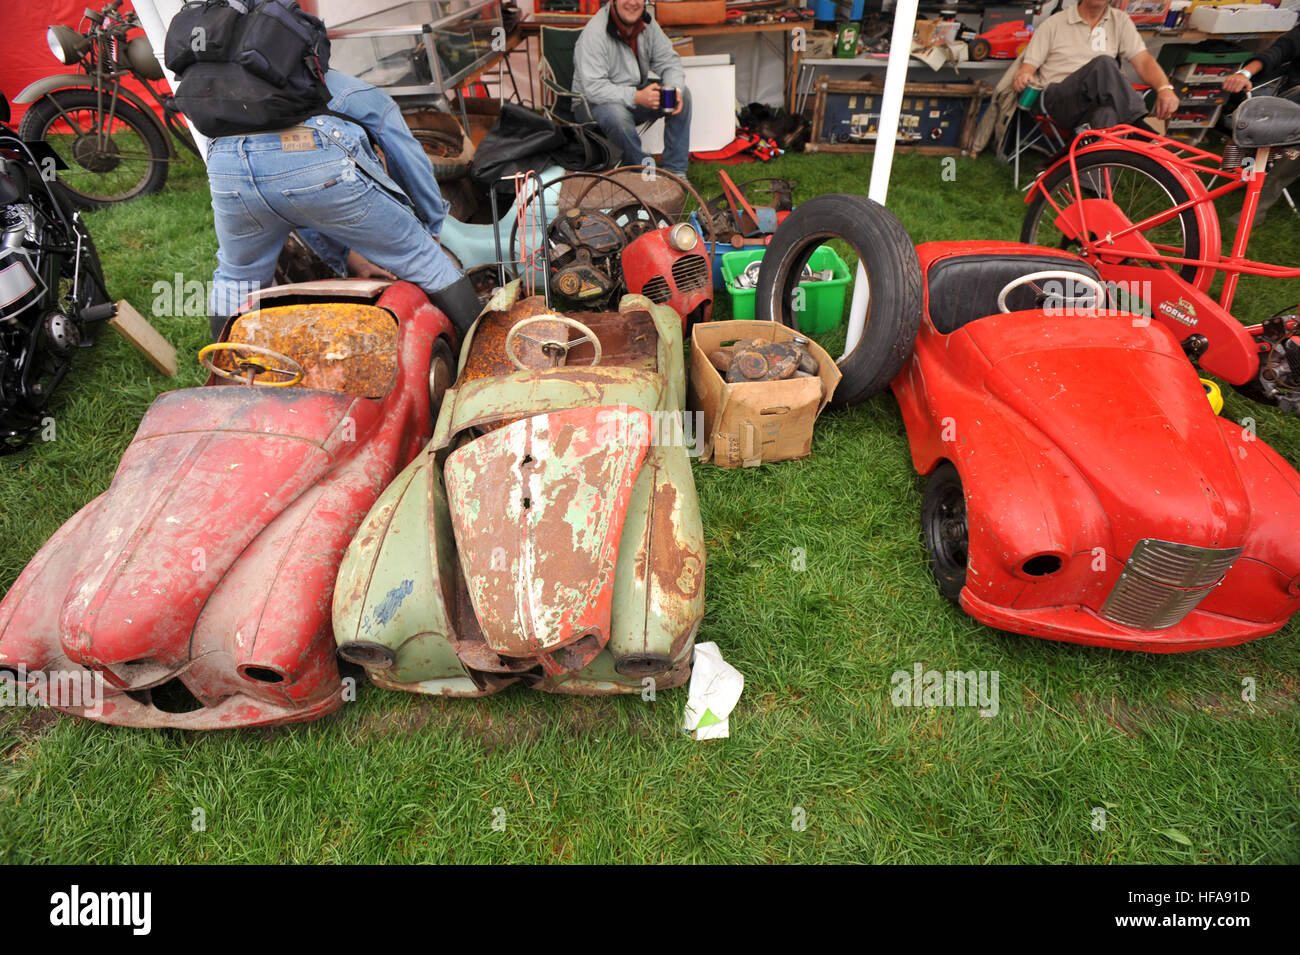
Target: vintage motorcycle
115	146
52	288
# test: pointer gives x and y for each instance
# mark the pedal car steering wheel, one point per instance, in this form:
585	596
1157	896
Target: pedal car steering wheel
1033	278
251	367
557	351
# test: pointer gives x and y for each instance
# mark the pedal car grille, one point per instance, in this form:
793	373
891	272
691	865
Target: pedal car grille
1163	581
657	290
689	273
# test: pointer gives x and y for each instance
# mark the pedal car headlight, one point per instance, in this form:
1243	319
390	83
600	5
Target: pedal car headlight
683	237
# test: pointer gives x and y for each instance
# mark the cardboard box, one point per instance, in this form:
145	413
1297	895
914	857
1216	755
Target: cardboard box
755	422
1253	18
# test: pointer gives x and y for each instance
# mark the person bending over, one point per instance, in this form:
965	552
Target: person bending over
323	175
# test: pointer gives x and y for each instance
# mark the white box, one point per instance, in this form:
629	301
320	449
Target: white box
1249	18
712	82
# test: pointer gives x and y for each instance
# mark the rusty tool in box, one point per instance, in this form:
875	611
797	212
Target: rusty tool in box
749	360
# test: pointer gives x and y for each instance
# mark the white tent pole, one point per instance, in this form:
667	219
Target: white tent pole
154	16
900	51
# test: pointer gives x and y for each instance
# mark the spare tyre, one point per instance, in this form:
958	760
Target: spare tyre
444	141
893	276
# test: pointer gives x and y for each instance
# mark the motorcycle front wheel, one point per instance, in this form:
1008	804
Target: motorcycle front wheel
104	165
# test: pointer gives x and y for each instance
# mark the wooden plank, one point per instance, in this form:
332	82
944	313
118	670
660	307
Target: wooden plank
137	330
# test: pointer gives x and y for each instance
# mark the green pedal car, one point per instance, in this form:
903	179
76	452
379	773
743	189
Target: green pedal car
550	533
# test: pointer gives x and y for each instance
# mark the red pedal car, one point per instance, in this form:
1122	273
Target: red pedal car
1080	486
198	586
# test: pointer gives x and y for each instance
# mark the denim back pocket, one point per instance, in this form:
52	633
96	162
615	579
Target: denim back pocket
231	215
338	194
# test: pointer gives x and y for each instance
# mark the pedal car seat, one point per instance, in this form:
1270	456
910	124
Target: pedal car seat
961	288
343	347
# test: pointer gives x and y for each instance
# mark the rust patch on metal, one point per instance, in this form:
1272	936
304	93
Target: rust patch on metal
343	347
677	568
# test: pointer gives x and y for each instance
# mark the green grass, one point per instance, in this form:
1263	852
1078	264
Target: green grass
1187	771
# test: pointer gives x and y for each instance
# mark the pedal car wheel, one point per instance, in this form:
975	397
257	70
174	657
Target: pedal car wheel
893	274
442	373
1139	185
943	526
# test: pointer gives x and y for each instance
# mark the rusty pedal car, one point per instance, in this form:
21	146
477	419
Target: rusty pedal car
197	587
549	534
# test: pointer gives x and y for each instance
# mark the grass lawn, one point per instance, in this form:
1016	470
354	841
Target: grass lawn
1183	767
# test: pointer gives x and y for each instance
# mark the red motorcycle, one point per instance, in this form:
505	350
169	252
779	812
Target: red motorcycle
115	146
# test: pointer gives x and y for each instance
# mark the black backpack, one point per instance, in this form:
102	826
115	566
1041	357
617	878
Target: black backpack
247	68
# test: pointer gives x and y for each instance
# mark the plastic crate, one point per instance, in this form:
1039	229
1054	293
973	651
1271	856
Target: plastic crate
823	301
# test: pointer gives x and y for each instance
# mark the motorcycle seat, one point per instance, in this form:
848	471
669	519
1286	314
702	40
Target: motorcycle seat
1266	121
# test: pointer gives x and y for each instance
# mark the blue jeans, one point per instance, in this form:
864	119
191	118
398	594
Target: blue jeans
619	123
260	193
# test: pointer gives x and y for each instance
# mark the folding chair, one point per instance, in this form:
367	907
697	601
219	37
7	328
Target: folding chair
557	46
1033	129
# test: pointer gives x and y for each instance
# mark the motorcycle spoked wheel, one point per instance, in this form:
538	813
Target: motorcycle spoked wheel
131	161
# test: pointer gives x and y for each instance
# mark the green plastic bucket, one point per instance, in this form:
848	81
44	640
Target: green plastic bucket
823	301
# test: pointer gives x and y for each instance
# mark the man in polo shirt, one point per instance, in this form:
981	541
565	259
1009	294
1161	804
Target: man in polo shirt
1073	59
620	49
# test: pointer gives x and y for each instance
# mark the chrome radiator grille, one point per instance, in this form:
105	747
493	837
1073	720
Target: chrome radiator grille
1163	582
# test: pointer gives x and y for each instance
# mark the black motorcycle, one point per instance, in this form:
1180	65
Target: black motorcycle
52	290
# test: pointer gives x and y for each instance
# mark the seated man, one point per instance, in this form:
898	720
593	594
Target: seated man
1282	57
620	48
1072	58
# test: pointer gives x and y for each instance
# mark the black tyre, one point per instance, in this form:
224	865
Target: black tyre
1139	185
130	162
893	274
980	49
450	154
944	530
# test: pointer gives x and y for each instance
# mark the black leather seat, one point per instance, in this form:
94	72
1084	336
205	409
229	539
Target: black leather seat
1266	121
965	287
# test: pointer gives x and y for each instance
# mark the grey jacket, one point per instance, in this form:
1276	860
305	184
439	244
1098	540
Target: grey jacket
605	71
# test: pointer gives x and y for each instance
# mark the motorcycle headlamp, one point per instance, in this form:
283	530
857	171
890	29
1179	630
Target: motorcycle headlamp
67	45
